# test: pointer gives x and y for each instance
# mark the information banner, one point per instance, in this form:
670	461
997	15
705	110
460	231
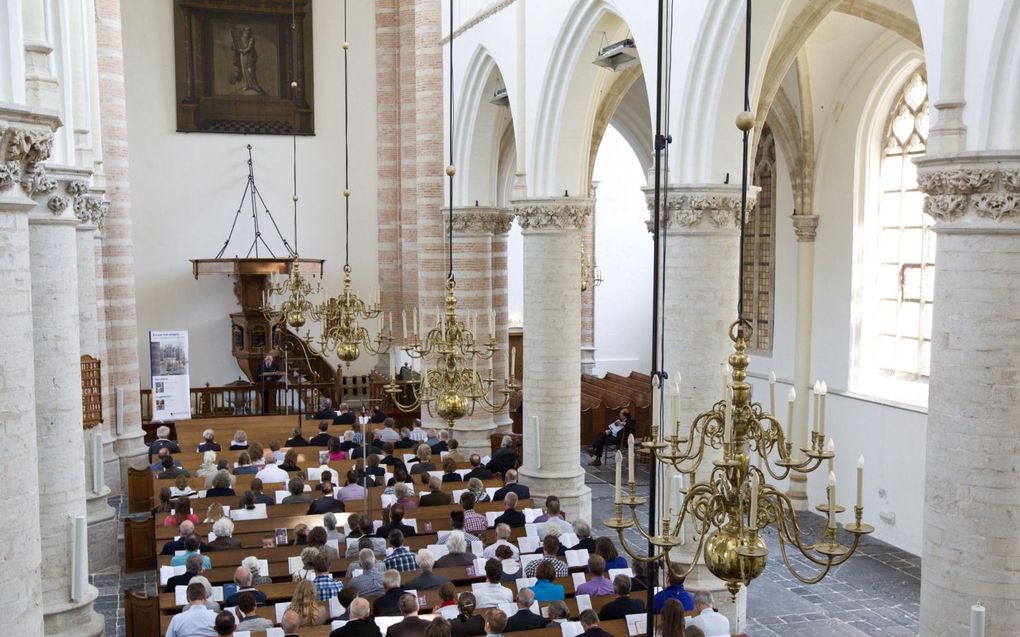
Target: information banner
171	385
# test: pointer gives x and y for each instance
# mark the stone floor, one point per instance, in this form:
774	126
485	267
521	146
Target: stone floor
876	592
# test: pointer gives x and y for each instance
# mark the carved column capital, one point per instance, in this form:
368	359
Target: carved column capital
22	151
554	213
805	226
981	188
479	220
701	207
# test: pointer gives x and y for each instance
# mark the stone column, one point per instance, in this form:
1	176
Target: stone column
59	436
588	296
500	303
552	369
102	527
702	237
805	227
118	260
20	553
972	498
473	230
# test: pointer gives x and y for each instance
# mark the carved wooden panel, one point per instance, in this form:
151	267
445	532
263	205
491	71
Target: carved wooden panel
91	391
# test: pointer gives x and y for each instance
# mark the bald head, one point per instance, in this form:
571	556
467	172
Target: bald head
291	622
435	483
510	501
242	577
187	527
359	608
525	598
510	476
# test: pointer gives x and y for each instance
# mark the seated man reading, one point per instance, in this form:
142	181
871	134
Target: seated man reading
613	434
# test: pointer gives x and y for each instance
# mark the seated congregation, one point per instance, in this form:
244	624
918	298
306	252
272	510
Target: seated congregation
373	530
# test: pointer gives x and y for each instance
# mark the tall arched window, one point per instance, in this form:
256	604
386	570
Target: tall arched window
897	293
760	245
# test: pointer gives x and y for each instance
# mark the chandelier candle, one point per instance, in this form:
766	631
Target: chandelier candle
831	448
832	501
619	477
817	391
676	407
821	410
791	398
728	422
772	392
630	458
752	518
860	482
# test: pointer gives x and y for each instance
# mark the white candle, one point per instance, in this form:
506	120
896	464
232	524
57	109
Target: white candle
389	316
513	359
619	477
831	448
414	320
977	620
403	322
772	392
860	481
630	458
821	409
393	365
492	324
753	517
832	500
791	398
725	383
676	406
817	391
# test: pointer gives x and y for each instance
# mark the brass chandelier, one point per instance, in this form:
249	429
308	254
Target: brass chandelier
730	507
451	386
298	292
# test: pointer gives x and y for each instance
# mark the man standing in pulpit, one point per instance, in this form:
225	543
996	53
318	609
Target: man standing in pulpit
267	374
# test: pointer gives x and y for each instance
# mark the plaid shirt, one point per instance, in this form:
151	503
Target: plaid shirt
401	560
326	587
561	567
474	521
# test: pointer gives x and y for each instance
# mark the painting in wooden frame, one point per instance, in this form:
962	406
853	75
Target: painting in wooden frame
236	66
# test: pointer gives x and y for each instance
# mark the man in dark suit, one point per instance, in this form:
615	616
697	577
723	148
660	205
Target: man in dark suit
504	459
327	503
443	443
242	579
259	497
411	625
590	624
225	540
510	486
187	527
623	605
192	567
296	440
396	523
322	438
162	441
325	410
389	604
267	373
359	625
524	619
171	470
510	516
345	417
378	416
477	470
435	497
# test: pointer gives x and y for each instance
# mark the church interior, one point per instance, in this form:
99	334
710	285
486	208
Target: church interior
473	317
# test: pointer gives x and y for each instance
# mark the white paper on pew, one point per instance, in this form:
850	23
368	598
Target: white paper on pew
462	472
376	524
180	595
486	459
442	536
457	493
529	558
258	513
525	582
578	557
528	544
263	566
340	623
389	551
181	552
413	523
620	571
531	514
217	592
387	499
294	564
583	602
281	608
569	539
314	474
578	579
408	457
531	530
166	572
477	547
490	517
335	609
656	590
280	495
355	572
449	612
443	454
636	623
242	633
571	629
385	622
438	550
510	608
212	537
272	632
491	491
387	477
480	565
421	493
336	544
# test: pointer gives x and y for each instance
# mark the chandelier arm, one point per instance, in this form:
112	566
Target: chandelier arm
701	424
795	539
636	555
793	571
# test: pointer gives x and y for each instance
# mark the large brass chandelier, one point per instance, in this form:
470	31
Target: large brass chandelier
451	386
729	508
298	294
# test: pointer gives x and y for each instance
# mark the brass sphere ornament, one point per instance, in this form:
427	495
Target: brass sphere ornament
345	45
451	171
735	557
293	84
745	121
451	406
348	352
347	192
295	319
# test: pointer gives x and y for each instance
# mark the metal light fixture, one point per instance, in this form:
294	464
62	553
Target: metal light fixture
591	274
500	97
618	55
731	506
451	386
297	306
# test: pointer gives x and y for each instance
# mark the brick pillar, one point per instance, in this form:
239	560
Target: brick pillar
118	260
20	553
102	528
972	498
59	435
552	367
701	232
473	230
500	303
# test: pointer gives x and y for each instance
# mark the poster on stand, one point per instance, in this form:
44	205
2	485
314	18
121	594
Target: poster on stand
168	365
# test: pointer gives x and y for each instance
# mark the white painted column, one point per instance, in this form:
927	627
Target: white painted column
552	367
972	497
702	246
101	517
473	229
59	434
20	552
805	226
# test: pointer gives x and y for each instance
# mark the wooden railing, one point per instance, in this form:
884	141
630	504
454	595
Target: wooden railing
240	400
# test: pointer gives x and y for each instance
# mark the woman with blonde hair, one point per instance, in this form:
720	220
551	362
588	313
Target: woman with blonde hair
208	467
214	513
240	440
181	487
670	622
306	605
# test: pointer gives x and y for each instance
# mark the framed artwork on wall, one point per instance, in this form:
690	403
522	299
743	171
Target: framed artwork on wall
244	66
